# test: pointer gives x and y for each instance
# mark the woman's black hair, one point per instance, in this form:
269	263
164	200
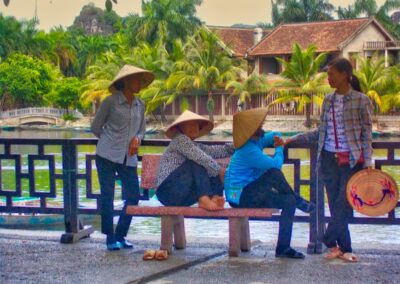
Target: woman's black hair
119	85
343	65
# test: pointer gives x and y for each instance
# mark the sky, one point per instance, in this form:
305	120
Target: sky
53	13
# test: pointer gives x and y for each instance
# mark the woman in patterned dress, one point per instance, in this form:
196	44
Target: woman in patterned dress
188	172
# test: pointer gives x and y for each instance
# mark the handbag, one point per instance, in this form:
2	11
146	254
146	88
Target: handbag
343	158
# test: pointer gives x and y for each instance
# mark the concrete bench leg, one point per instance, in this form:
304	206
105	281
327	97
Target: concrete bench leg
167	231
245	243
172	231
234	236
179	233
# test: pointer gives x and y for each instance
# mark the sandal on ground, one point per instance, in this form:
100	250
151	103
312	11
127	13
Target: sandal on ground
333	253
149	254
349	257
161	254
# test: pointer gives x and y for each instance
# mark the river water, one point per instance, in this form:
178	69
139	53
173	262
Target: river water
196	228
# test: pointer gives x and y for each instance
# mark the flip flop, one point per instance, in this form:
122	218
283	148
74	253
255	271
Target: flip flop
161	255
149	254
333	253
349	257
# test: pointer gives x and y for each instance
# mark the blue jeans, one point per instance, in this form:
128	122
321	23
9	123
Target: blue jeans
185	185
130	194
271	190
335	178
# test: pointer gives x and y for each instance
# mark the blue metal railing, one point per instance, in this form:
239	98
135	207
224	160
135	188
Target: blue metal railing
71	174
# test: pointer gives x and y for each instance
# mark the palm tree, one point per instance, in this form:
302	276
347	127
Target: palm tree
151	57
253	84
160	93
289	11
347	13
98	79
90	48
66	53
374	79
391	98
11	36
156	59
167	20
206	67
301	81
370	8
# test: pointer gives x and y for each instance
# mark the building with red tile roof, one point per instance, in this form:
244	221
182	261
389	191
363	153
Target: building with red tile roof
239	40
338	38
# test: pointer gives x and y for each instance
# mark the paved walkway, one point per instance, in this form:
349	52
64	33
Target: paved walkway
38	257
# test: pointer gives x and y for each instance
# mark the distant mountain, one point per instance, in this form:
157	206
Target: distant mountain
94	20
243	26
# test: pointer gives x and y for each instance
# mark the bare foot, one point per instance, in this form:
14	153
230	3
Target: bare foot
219	200
205	202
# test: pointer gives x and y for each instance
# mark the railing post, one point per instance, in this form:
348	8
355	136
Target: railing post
317	225
74	231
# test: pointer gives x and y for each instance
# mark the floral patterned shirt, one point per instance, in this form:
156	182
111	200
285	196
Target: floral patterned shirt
182	147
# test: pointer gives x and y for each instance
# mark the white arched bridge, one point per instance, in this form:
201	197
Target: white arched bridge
38	115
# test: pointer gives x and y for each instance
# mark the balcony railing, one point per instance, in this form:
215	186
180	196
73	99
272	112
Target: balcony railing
380	45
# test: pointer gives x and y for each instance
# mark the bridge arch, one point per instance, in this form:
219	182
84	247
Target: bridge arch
38	115
38	120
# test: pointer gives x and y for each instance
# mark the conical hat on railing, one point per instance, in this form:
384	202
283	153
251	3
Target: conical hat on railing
372	192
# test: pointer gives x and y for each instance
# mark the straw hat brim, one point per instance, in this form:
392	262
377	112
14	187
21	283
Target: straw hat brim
145	76
372	192
246	123
205	125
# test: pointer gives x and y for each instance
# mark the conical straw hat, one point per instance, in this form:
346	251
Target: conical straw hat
145	76
372	192
205	125
246	123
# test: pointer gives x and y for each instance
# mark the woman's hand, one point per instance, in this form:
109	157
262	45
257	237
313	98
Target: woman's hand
288	141
133	146
278	141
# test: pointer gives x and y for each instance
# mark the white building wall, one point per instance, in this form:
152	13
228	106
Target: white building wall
370	33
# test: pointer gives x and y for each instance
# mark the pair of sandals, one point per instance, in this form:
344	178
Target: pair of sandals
151	254
335	252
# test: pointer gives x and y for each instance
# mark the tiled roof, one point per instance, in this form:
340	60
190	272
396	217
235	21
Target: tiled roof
327	36
239	40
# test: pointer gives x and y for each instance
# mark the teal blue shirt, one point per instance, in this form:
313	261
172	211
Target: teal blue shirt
249	162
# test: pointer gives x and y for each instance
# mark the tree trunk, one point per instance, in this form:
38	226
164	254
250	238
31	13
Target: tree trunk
308	115
210	106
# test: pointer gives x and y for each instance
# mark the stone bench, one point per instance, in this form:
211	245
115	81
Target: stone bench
172	218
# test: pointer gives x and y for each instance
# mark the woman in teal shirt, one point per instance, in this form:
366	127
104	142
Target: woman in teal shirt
253	179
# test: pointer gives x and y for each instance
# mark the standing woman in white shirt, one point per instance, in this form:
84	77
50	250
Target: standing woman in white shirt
344	147
120	126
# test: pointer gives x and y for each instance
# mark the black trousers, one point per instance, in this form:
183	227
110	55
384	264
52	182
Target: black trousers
185	185
130	194
335	178
272	190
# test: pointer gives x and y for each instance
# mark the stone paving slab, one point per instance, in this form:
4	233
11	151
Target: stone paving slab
260	266
26	260
38	257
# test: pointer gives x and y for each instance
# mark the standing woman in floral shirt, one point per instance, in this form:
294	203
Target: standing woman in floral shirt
120	126
188	172
344	148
